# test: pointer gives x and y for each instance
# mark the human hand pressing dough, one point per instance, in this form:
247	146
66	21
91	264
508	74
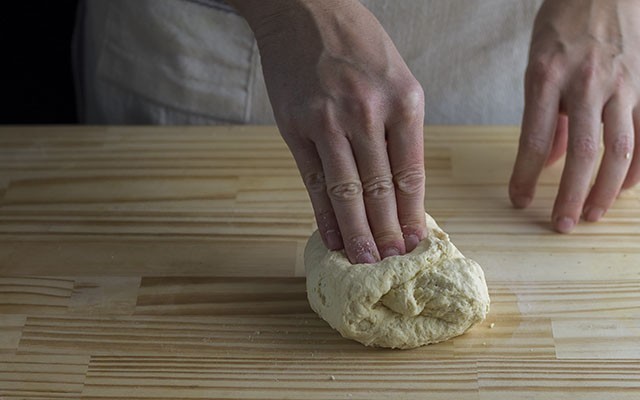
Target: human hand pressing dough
426	296
352	114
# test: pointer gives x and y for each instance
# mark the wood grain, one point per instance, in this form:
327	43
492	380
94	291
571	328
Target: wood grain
166	263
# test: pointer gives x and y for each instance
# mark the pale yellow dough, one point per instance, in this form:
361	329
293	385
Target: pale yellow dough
427	296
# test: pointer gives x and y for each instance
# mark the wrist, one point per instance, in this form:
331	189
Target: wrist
267	17
258	11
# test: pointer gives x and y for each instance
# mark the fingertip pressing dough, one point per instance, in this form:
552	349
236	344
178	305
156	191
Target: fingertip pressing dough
426	296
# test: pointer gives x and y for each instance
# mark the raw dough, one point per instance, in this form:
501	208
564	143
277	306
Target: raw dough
427	296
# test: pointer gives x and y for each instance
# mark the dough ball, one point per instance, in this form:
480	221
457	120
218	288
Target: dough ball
427	296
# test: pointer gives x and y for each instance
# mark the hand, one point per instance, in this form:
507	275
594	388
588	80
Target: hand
352	114
584	69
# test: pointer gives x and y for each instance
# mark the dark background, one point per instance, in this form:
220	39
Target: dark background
35	45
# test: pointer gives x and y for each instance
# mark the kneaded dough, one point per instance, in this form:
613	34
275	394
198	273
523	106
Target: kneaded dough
427	296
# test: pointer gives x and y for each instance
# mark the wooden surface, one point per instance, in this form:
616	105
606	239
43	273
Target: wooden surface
166	263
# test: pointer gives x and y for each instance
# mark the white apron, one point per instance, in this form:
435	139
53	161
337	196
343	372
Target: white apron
196	62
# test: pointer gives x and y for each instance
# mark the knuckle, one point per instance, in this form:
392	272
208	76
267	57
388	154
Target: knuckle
315	182
378	187
365	112
543	72
410	181
622	146
584	147
588	72
535	145
411	102
325	128
620	79
328	124
590	76
346	191
591	68
370	121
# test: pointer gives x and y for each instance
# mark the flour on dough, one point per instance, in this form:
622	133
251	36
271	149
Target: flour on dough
427	296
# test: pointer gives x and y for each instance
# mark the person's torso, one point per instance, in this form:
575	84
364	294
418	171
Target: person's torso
199	56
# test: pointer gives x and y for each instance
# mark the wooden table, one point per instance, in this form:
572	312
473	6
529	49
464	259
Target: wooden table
166	263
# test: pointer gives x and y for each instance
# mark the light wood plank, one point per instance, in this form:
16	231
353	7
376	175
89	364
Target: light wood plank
167	263
23	295
42	376
112	295
264	336
559	379
222	296
598	338
11	326
286	378
150	255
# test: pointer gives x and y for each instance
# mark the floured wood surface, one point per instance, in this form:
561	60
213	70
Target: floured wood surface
166	263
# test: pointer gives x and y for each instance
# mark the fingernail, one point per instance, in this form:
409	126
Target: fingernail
390	252
593	214
411	242
366	258
334	240
521	201
565	224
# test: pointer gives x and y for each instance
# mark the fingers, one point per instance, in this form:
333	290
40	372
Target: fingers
367	194
405	142
379	192
578	135
368	197
582	152
538	128
618	149
560	139
344	190
633	175
310	167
